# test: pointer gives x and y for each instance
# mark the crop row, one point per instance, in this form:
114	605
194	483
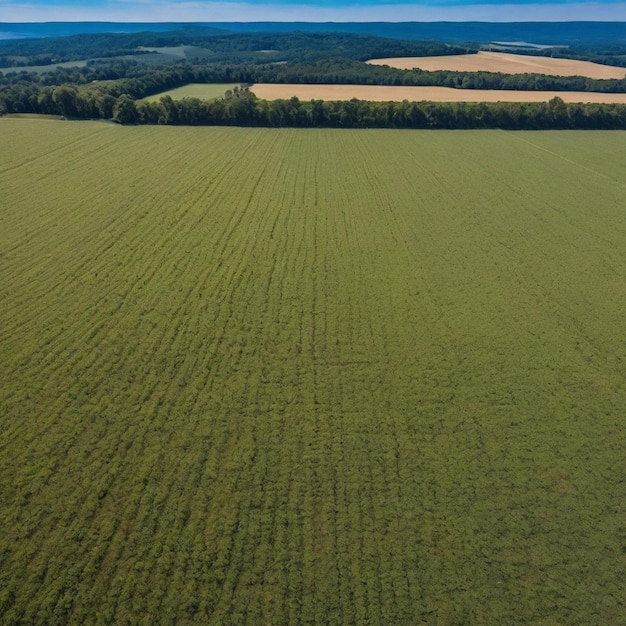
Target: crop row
282	376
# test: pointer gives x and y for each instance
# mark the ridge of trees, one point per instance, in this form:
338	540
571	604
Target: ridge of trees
220	48
248	110
245	109
205	44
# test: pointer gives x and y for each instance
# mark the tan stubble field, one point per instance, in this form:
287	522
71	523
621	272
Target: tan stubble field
505	62
383	93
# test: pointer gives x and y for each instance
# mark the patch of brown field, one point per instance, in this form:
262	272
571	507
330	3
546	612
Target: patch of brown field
506	63
381	93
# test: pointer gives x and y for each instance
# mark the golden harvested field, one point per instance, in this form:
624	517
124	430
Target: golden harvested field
383	93
505	62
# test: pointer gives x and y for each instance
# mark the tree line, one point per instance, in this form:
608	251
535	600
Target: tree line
113	101
248	110
346	71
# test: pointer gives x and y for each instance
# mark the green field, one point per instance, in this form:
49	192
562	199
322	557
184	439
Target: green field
256	376
204	91
40	69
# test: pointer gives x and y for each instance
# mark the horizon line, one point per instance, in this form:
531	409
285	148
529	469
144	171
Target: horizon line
300	21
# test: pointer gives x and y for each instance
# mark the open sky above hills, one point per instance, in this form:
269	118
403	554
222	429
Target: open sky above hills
311	10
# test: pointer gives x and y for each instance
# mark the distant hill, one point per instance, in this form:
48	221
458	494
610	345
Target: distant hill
542	33
66	29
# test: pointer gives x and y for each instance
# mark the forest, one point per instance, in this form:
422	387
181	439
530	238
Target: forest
217	47
117	71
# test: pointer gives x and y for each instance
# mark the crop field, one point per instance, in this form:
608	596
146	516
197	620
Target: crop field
383	93
507	63
204	91
282	376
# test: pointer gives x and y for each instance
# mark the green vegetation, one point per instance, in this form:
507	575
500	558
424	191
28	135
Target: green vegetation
203	91
41	69
257	376
114	70
245	109
99	91
210	46
116	99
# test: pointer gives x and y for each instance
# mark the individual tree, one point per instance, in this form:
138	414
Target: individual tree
66	100
125	110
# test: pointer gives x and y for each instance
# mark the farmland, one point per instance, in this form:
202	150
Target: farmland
127	76
256	376
382	93
204	91
507	63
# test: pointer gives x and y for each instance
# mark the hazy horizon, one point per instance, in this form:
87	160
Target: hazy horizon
39	11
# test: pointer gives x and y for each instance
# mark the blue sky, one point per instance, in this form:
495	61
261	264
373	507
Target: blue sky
309	10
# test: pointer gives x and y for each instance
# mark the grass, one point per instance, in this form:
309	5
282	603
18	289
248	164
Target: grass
33	116
173	51
203	91
40	69
311	376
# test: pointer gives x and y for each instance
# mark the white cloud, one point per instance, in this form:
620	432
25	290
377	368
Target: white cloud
168	11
